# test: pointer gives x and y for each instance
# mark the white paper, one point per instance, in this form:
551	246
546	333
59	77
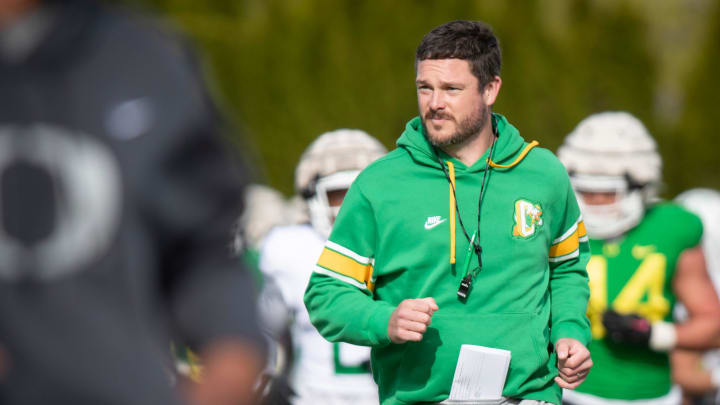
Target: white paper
480	374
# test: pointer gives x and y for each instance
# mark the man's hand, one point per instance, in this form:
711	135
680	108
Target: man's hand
573	364
231	368
410	320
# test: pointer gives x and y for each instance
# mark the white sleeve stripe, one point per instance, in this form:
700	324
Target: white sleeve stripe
340	277
347	252
584	239
566	234
568	256
569	232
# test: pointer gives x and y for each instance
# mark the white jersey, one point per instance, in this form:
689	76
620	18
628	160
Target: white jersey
323	372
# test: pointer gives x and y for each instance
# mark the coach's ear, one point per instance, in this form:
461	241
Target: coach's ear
491	90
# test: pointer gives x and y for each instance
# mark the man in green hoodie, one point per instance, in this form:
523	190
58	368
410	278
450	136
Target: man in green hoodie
462	180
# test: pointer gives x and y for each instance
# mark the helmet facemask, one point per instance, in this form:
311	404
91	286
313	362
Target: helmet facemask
322	214
612	219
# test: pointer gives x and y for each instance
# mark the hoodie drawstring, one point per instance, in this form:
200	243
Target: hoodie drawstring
451	169
517	160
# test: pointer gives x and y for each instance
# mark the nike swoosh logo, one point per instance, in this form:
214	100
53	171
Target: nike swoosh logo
433	225
639	252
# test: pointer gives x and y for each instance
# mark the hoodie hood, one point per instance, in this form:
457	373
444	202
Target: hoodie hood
509	146
510	149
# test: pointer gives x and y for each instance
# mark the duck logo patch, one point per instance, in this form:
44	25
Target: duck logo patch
528	218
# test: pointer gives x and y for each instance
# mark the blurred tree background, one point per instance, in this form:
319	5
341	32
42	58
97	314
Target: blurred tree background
288	70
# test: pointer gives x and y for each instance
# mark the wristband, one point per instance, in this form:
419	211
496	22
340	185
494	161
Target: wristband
663	336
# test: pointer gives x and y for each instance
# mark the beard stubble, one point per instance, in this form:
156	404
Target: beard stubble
467	129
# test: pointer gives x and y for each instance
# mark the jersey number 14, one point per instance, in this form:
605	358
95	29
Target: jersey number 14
642	294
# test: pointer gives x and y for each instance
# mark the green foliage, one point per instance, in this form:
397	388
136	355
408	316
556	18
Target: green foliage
289	70
693	147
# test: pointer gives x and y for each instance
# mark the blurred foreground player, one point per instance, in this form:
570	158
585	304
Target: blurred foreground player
116	200
646	254
696	372
323	372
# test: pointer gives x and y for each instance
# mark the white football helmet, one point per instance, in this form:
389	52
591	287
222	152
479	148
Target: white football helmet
332	162
612	152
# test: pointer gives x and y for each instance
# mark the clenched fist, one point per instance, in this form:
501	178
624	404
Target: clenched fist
573	363
410	320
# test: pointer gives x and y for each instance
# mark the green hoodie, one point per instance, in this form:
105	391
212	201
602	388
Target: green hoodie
396	236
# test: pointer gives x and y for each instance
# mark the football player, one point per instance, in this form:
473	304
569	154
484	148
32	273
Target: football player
698	373
645	256
323	372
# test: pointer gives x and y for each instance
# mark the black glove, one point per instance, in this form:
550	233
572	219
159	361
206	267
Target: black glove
631	329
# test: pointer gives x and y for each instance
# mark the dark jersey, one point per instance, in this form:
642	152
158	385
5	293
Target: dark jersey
116	203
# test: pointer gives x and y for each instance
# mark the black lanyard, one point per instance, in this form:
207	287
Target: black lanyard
466	282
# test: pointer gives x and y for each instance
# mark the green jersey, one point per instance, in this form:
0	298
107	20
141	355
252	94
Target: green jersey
634	275
397	237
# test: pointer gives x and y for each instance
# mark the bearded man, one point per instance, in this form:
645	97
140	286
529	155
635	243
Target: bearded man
462	182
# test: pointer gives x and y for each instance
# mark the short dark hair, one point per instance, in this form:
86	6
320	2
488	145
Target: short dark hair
472	41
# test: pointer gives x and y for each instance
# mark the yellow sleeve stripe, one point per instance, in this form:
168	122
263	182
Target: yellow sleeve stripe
338	276
341	264
565	247
581	229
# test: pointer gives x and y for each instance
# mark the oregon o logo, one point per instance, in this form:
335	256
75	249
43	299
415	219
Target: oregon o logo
60	201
